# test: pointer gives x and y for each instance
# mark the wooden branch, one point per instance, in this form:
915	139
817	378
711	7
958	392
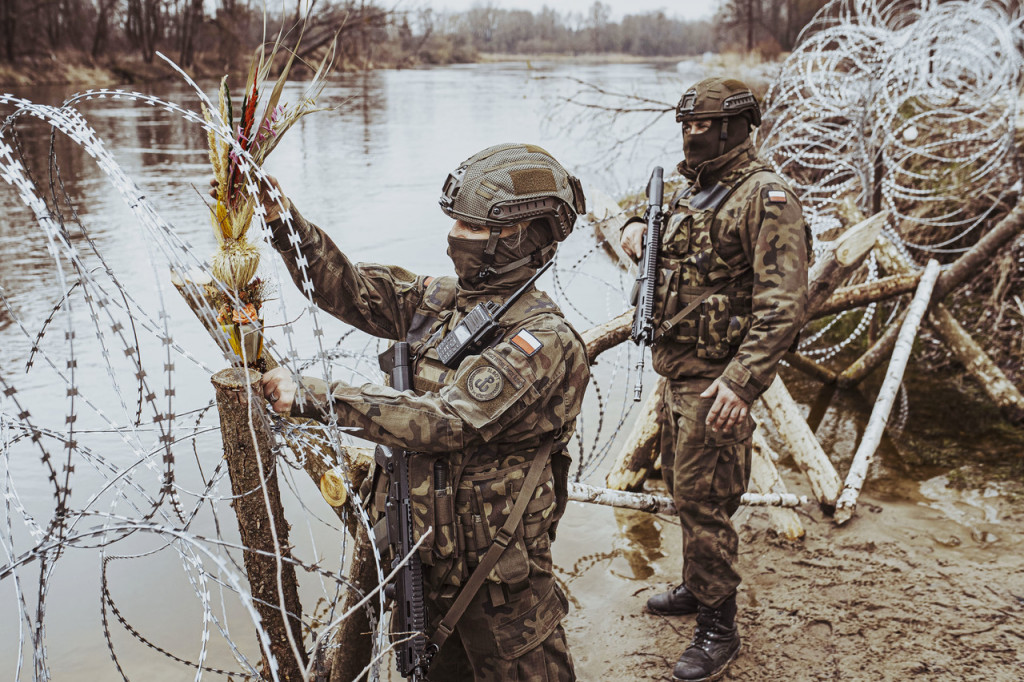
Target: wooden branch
608	218
860	295
252	469
886	396
662	504
810	368
956	274
607	335
802	445
636	459
765	478
974	358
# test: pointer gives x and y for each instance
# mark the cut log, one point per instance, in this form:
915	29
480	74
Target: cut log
887	395
765	478
636	459
860	295
663	504
802	445
262	527
841	258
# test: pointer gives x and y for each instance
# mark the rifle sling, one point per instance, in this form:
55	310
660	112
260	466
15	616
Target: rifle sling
494	552
665	326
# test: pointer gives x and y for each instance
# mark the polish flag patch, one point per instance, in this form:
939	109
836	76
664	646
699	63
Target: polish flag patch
526	342
776	196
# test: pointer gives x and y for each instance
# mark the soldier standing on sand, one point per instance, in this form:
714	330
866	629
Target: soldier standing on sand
736	241
476	429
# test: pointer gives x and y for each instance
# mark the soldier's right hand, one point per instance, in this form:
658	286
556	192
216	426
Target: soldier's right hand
632	239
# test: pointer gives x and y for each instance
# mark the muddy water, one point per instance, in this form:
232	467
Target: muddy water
369	171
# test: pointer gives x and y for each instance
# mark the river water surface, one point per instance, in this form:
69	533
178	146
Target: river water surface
369	171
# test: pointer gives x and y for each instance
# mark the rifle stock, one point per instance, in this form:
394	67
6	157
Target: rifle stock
643	329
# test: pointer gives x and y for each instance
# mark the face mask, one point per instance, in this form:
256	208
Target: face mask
468	257
698	149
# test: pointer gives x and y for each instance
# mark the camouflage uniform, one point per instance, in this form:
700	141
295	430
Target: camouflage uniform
478	427
757	243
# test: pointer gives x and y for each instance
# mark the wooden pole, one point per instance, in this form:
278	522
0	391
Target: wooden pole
663	504
860	295
886	396
261	523
802	445
636	458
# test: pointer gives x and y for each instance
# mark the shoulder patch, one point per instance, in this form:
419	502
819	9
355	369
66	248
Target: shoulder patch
484	383
776	196
526	342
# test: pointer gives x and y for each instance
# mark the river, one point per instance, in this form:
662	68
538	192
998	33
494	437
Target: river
369	170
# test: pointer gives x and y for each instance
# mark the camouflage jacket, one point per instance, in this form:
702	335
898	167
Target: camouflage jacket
493	411
758	241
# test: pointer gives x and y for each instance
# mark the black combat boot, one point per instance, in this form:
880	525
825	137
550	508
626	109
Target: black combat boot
678	601
715	644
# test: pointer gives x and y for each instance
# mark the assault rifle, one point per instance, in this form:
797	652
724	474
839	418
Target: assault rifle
642	333
408	618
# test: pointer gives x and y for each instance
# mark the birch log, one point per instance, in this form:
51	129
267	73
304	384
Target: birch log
663	504
765	478
887	395
842	257
636	459
802	445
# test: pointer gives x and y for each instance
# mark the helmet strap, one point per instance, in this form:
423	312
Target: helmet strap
537	258
492	246
723	135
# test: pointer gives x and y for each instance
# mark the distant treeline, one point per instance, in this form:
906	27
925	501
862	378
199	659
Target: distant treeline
370	33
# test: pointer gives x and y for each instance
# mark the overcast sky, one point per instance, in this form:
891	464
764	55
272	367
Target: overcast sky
683	9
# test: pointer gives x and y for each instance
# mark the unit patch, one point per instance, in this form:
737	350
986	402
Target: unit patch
776	196
526	342
484	383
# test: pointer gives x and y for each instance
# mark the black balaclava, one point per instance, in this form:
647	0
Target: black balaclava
468	257
702	148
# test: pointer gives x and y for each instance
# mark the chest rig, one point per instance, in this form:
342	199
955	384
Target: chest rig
466	498
704	294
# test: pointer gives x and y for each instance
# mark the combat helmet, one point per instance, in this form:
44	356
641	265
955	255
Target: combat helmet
513	183
718	98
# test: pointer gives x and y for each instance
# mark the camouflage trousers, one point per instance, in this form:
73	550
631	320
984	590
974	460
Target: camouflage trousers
511	630
706	473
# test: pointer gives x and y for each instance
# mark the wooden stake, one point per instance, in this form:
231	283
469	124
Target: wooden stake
641	449
257	504
887	395
860	295
802	445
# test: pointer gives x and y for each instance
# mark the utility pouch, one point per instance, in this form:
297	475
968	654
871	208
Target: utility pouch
666	294
713	330
445	533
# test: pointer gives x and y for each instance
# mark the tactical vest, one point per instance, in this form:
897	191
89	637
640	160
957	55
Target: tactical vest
463	497
691	269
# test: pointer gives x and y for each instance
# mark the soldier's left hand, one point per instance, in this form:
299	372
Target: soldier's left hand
728	408
279	389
